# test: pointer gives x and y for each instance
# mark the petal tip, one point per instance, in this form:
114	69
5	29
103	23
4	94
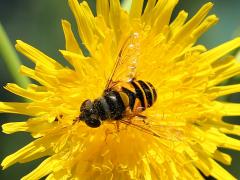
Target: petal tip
209	4
18	42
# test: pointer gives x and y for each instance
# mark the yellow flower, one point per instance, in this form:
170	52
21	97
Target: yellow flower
187	116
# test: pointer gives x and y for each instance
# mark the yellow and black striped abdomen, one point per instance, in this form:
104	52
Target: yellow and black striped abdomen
141	96
145	92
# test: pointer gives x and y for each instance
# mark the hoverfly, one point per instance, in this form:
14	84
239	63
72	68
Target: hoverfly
124	97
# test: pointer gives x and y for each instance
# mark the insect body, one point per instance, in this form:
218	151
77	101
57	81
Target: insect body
124	96
124	99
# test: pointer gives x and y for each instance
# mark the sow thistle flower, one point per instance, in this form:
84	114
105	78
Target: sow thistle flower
187	116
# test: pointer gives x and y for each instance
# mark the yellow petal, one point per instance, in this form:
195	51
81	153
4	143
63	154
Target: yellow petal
235	130
219	172
10	128
28	153
70	40
227	109
31	73
218	91
19	108
80	63
136	9
155	11
147	11
230	143
222	65
178	22
43	169
192	23
38	127
36	96
115	17
103	9
224	71
164	15
204	26
216	53
86	24
222	157
36	56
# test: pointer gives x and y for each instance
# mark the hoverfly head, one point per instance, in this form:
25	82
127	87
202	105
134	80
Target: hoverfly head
89	115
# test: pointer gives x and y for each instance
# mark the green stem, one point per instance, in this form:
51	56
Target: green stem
9	55
238	55
126	4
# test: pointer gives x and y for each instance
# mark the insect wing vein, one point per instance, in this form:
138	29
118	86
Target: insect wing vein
125	66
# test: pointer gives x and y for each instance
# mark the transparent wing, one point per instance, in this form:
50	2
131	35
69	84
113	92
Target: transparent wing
171	133
141	128
125	66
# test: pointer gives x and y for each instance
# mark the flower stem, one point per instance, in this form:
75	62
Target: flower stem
9	55
238	55
126	4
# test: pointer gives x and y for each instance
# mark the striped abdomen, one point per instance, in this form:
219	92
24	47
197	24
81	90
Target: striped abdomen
145	92
124	98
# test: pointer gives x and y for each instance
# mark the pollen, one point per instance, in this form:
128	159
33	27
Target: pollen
183	131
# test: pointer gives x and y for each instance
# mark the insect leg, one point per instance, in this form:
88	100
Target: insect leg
76	120
117	126
142	117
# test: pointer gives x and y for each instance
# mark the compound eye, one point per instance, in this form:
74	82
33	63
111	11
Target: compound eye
86	105
93	123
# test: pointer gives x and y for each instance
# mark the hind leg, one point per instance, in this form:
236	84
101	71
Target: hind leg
143	118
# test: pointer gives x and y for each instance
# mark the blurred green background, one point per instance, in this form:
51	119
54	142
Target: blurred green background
39	24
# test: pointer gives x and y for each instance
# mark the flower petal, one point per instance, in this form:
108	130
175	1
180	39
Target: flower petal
219	172
218	52
103	9
136	9
204	26
192	24
147	11
45	168
86	24
32	151
164	12
19	108
222	157
218	91
227	109
29	94
38	127
71	42
178	22
36	56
